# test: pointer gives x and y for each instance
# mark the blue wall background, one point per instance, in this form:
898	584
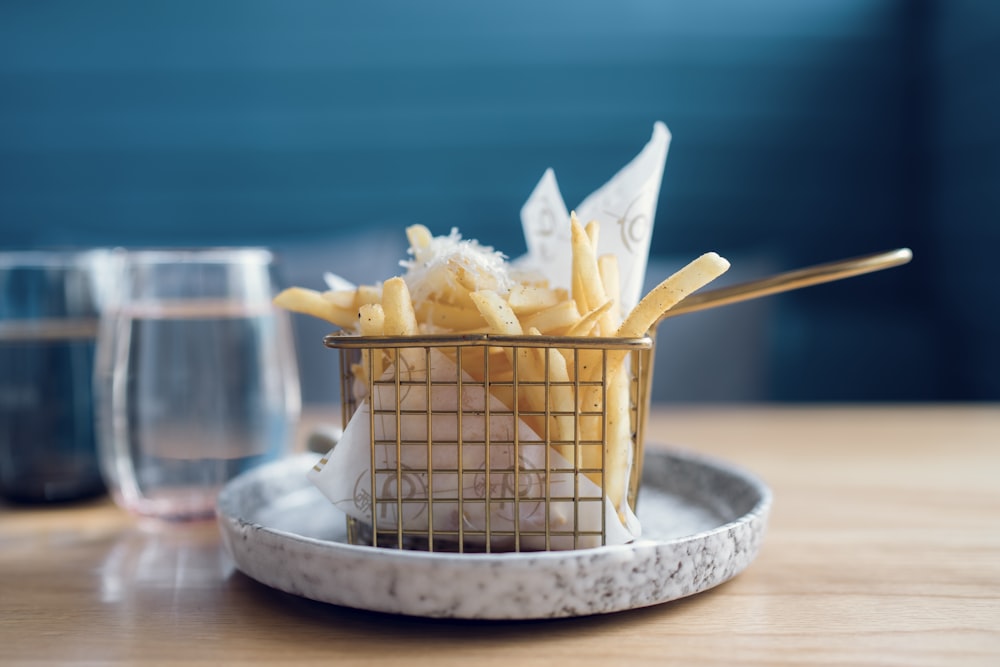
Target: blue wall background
803	132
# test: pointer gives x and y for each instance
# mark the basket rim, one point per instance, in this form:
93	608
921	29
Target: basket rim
348	340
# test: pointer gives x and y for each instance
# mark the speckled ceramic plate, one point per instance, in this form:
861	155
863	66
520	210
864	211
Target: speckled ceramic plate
703	522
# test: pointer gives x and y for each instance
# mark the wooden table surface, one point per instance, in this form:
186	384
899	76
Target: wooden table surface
883	548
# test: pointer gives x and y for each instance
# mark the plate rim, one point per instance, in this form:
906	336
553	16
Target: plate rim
232	526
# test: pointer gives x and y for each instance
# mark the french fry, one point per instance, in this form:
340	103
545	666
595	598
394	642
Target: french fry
590	417
502	320
449	317
372	322
372	319
578	293
528	299
545	396
580	248
618	437
501	372
310	302
555	320
528	278
607	265
586	270
670	292
551	365
419	237
497	313
588	282
341	298
609	423
367	294
587	323
400	319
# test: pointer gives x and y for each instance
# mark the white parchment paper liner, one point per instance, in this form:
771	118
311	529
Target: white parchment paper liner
625	207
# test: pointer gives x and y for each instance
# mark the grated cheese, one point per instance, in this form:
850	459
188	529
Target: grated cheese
433	267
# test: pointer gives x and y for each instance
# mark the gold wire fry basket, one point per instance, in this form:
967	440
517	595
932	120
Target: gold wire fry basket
419	475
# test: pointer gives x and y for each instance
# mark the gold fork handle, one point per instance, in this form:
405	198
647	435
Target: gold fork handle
790	280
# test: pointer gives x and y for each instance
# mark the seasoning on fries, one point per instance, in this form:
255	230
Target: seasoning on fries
454	286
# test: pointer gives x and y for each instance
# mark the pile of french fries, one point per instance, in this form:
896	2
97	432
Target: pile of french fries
459	295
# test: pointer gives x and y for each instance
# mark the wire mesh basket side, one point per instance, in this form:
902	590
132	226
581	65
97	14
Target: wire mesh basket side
494	443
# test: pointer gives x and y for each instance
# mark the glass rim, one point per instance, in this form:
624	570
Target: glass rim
42	258
198	255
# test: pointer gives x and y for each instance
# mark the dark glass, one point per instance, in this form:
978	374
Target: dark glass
48	325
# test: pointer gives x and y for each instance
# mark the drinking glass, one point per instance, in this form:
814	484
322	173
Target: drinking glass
196	377
49	304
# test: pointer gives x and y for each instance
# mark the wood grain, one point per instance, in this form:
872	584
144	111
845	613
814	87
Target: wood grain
883	548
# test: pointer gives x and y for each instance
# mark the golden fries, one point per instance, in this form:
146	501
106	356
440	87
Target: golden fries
607	265
447	317
400	318
527	299
587	323
341	298
556	320
497	313
587	277
311	302
579	399
419	237
670	292
372	318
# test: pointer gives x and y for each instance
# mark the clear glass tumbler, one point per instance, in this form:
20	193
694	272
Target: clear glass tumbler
49	305
196	378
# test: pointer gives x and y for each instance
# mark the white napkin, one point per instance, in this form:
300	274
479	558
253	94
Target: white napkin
625	206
